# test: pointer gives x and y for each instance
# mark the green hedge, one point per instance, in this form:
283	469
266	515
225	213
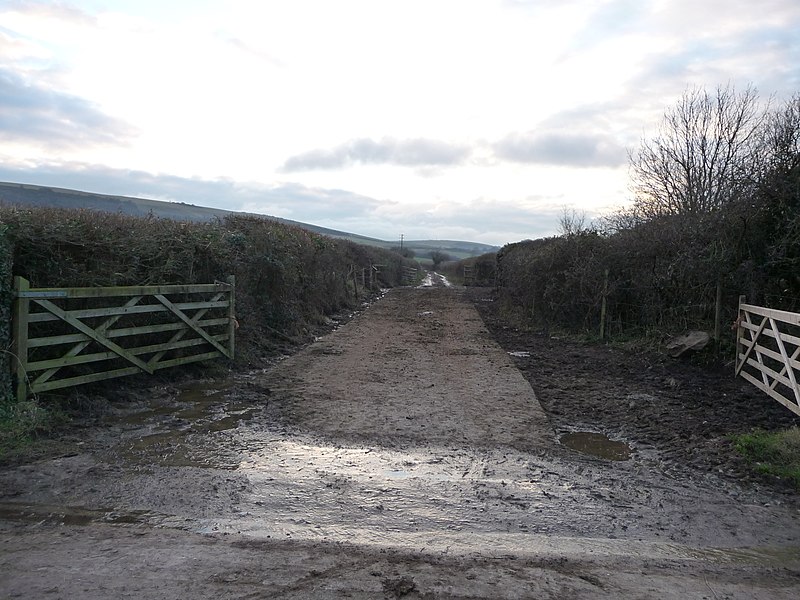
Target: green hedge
5	315
662	274
287	278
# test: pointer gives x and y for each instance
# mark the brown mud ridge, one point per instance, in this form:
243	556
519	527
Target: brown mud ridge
405	455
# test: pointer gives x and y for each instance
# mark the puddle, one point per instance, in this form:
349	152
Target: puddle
596	444
192	403
175	433
72	515
396	474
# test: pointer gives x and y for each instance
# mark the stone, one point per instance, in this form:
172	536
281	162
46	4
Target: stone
690	341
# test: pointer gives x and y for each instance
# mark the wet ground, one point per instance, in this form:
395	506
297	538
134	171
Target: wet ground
404	455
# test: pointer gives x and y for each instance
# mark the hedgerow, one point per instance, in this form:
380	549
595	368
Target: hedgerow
287	278
694	233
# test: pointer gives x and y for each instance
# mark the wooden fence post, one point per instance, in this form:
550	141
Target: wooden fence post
718	316
355	282
604	306
232	322
20	338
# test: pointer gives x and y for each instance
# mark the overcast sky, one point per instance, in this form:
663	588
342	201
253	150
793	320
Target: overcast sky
477	120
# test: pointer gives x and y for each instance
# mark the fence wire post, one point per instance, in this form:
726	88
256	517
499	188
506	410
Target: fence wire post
232	323
718	317
604	306
355	282
20	338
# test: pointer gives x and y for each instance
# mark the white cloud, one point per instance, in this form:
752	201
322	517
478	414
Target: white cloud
441	105
562	148
37	115
408	153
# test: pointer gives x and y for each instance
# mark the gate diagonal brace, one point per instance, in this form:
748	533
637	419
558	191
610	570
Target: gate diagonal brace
753	340
80	346
199	330
786	361
99	338
179	335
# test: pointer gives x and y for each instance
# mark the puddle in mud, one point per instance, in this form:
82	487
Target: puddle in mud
175	433
72	515
596	444
395	474
178	449
193	402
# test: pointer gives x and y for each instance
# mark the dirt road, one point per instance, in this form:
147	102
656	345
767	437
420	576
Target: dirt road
404	455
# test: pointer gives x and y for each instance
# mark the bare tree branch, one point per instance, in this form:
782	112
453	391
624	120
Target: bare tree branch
704	156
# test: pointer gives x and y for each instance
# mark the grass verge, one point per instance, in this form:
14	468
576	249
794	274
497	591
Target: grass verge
773	453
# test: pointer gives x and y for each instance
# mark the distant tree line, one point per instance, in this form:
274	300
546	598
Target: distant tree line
716	208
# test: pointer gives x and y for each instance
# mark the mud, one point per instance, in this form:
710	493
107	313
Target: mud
408	454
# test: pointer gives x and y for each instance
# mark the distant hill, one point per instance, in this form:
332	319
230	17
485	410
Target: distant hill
36	195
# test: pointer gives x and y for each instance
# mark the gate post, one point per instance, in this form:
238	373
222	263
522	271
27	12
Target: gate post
739	330
19	346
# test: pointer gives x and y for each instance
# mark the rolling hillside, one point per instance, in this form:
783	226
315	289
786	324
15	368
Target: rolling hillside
35	195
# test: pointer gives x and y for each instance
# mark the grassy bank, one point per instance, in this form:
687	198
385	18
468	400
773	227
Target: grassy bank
776	453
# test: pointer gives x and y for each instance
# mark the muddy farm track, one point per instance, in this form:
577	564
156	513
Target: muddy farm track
409	454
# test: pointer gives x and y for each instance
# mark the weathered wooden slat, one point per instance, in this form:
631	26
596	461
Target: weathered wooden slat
773	355
770	373
88	313
206	330
92	334
39	294
753	338
147	290
776	395
58	384
176	362
771	313
72	360
182	316
791	339
788	368
80	346
70	338
786	357
196	318
95	377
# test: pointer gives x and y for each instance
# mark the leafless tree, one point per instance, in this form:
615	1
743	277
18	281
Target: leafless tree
571	222
705	154
782	142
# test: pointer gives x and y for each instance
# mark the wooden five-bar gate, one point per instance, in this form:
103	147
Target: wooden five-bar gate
70	336
767	351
